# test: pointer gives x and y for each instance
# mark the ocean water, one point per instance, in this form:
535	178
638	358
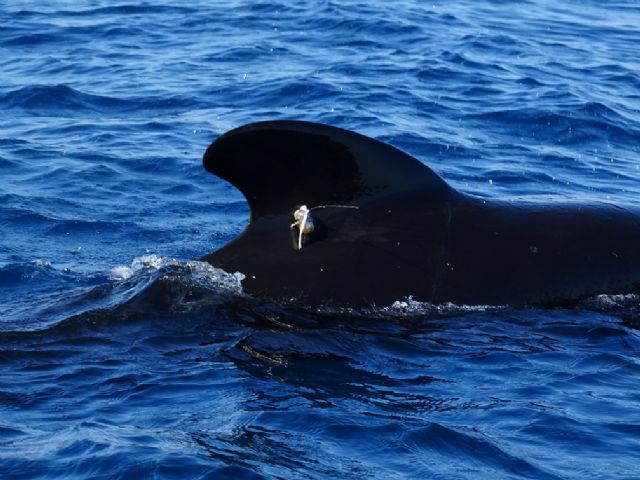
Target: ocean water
121	356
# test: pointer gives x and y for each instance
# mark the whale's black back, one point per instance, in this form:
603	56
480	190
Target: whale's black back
406	233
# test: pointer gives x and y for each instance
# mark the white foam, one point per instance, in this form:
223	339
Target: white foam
411	307
121	272
150	262
145	262
612	302
192	272
205	274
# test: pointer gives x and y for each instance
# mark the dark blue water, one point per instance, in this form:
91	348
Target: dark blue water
121	357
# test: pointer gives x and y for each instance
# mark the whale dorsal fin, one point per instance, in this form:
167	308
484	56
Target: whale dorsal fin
280	164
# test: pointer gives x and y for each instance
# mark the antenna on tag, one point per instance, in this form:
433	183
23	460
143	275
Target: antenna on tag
302	226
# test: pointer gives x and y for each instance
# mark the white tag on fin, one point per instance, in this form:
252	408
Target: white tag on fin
302	225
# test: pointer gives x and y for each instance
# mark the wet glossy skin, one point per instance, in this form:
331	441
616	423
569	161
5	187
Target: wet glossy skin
412	234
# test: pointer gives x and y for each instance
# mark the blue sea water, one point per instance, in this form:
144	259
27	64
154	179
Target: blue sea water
123	357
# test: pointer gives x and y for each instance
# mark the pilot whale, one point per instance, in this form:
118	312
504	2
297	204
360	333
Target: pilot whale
341	219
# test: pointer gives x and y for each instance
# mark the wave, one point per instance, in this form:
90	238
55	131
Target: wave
153	286
63	99
589	123
150	283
